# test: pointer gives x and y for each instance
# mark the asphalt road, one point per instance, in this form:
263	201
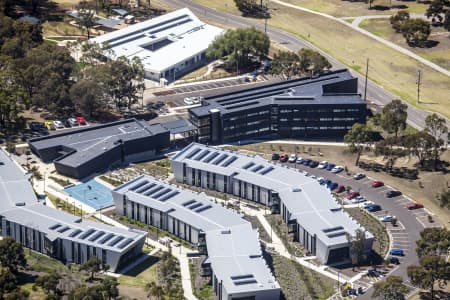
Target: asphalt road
376	94
404	235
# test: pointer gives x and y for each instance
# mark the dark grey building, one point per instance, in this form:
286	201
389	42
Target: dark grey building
324	106
79	153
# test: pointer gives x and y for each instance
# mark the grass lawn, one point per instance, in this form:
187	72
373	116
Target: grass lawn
424	189
298	282
142	274
439	54
381	242
389	68
42	263
339	8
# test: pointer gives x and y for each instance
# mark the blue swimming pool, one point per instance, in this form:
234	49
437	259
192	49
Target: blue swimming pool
92	193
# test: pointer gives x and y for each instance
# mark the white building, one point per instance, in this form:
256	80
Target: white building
307	207
168	46
235	261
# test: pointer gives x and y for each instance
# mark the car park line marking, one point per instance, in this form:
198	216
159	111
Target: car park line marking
421	223
429	212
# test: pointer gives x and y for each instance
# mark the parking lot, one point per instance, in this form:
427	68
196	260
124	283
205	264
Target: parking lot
409	222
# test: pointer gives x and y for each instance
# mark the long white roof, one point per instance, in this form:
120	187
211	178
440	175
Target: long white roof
309	202
19	204
233	246
177	36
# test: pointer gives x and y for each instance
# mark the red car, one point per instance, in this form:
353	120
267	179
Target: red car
352	195
81	120
339	189
415	205
284	157
377	183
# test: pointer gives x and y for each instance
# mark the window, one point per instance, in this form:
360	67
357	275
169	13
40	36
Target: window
124	205
104	256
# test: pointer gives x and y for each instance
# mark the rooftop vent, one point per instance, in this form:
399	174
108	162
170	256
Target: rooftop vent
296	189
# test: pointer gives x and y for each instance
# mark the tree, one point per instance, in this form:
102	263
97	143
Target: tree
433	241
154	291
357	138
444	199
109	287
11	95
312	61
86	293
394	116
437	128
420	145
435	11
88	97
357	245
12	256
285	63
49	283
416	31
251	8
239	46
86	16
392	288
446	23
432	270
398	19
92	266
391	149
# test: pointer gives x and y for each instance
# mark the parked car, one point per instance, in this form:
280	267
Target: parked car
330	166
377	183
393	193
394	260
81	120
37	126
196	99
359	176
320	179
337	169
327	182
58	124
188	101
396	252
373	208
66	123
275	156
415	205
358	199
305	173
352	195
313	164
73	122
284	157
332	186
339	189
306	162
292	158
299	160
387	218
322	165
367	204
49	125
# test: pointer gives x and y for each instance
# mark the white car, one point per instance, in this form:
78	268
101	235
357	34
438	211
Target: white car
188	100
299	160
305	173
337	169
367	204
358	199
196	100
387	218
58	124
292	158
359	176
313	176
322	165
73	122
320	179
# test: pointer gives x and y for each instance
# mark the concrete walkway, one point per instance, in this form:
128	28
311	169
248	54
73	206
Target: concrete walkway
371	35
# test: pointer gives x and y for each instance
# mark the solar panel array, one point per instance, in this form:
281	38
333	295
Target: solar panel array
94	236
154	190
243	279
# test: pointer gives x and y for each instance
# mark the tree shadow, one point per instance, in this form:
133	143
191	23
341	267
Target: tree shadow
25	277
380	7
439	294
